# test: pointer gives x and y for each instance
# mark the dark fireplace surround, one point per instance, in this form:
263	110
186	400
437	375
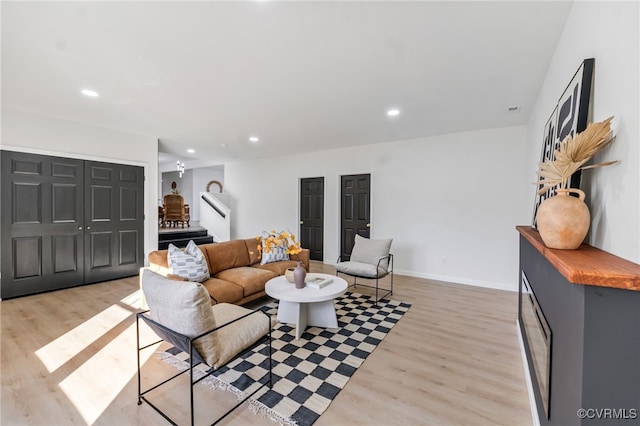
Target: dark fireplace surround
579	318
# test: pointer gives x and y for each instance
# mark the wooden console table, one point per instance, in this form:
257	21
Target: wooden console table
591	302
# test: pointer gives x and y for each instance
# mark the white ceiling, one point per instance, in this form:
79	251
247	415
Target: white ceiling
302	76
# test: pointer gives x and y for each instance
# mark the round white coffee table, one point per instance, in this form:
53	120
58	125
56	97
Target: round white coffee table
306	306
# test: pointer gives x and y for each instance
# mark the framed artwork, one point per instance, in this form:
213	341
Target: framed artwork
548	148
569	117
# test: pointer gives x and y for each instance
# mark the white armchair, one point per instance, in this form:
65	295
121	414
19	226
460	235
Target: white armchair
371	260
180	313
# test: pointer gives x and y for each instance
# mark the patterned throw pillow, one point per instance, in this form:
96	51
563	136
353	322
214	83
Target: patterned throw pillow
276	254
190	263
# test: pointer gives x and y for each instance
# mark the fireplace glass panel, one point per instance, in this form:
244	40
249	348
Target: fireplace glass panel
538	335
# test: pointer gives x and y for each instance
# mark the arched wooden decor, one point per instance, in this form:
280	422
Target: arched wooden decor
216	183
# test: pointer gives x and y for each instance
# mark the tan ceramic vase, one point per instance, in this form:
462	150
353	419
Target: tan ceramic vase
289	275
563	220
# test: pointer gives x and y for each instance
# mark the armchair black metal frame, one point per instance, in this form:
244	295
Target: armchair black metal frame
378	277
185	343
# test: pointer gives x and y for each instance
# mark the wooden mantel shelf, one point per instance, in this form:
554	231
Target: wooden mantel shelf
587	265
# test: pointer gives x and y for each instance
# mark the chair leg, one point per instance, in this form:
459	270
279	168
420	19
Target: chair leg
138	353
191	381
270	360
376	304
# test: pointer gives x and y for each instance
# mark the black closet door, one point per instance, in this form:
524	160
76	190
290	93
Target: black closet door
67	222
114	220
42	221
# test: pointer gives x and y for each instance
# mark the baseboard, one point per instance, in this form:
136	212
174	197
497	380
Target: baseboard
527	377
454	280
460	280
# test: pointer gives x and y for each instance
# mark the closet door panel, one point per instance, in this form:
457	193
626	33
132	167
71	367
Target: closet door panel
114	220
41	222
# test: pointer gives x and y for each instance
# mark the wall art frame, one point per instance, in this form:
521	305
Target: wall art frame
569	117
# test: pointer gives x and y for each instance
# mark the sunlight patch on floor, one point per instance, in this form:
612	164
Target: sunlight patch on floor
134	299
93	386
64	348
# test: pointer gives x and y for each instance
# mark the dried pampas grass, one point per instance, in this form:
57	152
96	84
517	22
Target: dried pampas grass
574	153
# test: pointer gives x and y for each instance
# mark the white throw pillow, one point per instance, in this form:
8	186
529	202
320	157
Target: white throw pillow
370	251
183	307
190	263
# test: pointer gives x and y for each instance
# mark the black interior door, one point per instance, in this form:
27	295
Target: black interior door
67	222
355	211
114	220
42	220
312	216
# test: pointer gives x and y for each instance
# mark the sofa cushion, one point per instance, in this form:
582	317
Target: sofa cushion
190	263
226	255
158	261
360	269
277	267
241	334
183	307
370	251
252	280
223	291
252	250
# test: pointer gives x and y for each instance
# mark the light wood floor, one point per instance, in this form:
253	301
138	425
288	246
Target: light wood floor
69	358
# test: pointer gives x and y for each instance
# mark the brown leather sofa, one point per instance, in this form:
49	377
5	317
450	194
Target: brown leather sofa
236	275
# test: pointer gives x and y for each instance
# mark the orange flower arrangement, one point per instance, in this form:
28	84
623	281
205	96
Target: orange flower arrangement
273	239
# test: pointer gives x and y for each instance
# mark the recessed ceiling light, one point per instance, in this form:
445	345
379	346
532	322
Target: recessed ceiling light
89	92
191	151
253	139
393	112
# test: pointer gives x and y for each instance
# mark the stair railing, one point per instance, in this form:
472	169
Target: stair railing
215	215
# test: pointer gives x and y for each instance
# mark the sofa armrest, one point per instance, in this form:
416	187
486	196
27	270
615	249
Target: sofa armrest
303	256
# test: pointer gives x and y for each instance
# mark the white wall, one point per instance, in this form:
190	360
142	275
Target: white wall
451	203
201	177
608	32
27	132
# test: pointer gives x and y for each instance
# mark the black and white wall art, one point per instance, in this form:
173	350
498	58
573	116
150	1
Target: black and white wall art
570	116
548	147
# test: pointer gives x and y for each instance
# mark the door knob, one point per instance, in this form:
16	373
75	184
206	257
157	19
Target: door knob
79	228
88	228
302	222
368	225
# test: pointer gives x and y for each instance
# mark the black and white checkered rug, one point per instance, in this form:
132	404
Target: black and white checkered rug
310	372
